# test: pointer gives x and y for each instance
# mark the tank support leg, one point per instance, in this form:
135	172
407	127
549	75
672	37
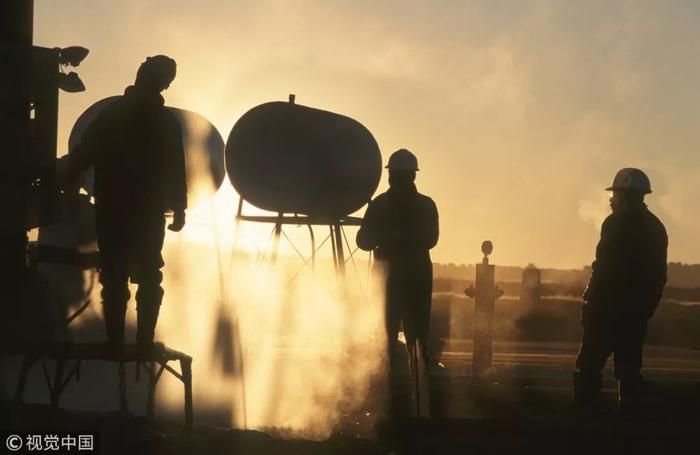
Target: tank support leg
339	249
313	247
27	362
276	241
335	253
56	388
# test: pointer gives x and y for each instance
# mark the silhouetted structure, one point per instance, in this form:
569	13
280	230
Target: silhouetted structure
203	146
629	274
401	226
136	147
531	286
485	294
311	167
29	83
154	362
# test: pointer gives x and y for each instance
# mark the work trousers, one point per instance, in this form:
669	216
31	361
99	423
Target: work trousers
621	336
408	304
130	248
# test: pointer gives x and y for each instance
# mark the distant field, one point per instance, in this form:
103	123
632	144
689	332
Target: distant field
538	359
556	320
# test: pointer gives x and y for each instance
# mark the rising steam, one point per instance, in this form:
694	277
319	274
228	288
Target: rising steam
273	348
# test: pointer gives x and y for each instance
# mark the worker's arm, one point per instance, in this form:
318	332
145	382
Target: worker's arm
606	262
660	263
432	225
368	237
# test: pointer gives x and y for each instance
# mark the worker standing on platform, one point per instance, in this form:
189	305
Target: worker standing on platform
629	274
136	146
401	226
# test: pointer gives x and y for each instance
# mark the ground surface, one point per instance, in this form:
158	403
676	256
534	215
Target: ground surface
523	406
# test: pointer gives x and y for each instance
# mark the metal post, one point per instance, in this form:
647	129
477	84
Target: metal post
152	381
276	238
335	252
17	23
415	370
123	404
340	264
57	382
186	369
313	247
485	295
27	362
16	33
237	228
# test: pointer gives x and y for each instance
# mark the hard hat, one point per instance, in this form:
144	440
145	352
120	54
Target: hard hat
631	179
402	160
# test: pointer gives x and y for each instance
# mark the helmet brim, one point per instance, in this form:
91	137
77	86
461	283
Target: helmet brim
395	169
612	188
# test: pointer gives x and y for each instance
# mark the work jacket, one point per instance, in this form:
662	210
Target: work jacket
401	226
629	272
136	146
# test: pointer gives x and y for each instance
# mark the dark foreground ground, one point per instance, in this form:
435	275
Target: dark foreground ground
523	407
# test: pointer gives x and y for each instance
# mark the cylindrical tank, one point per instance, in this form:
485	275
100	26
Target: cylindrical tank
288	158
204	149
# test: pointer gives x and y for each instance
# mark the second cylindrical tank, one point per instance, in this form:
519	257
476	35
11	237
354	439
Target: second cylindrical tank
288	158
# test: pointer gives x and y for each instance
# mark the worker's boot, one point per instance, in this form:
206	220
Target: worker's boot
630	397
147	309
114	312
587	388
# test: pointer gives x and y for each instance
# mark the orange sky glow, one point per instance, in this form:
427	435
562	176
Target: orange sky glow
520	112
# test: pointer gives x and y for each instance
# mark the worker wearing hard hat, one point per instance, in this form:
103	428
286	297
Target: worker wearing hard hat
136	146
629	274
401	226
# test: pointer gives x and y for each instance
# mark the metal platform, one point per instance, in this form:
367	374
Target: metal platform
69	356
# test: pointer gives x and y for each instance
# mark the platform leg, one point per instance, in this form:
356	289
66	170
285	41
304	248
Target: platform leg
57	386
123	404
151	404
27	363
186	369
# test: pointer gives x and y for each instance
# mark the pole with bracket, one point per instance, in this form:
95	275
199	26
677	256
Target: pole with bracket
484	294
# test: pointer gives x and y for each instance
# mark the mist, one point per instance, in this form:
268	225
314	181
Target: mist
278	347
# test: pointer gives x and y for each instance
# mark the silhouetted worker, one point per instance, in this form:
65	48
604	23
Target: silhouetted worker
135	144
629	274
401	226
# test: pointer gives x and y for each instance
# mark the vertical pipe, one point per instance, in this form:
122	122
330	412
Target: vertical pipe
186	369
151	403
339	249
333	247
123	404
276	238
16	35
237	228
57	381
313	248
17	22
27	362
484	303
415	371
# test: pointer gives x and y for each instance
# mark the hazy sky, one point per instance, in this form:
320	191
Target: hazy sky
520	112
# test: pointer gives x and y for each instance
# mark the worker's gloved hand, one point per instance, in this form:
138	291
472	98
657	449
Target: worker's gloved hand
178	221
